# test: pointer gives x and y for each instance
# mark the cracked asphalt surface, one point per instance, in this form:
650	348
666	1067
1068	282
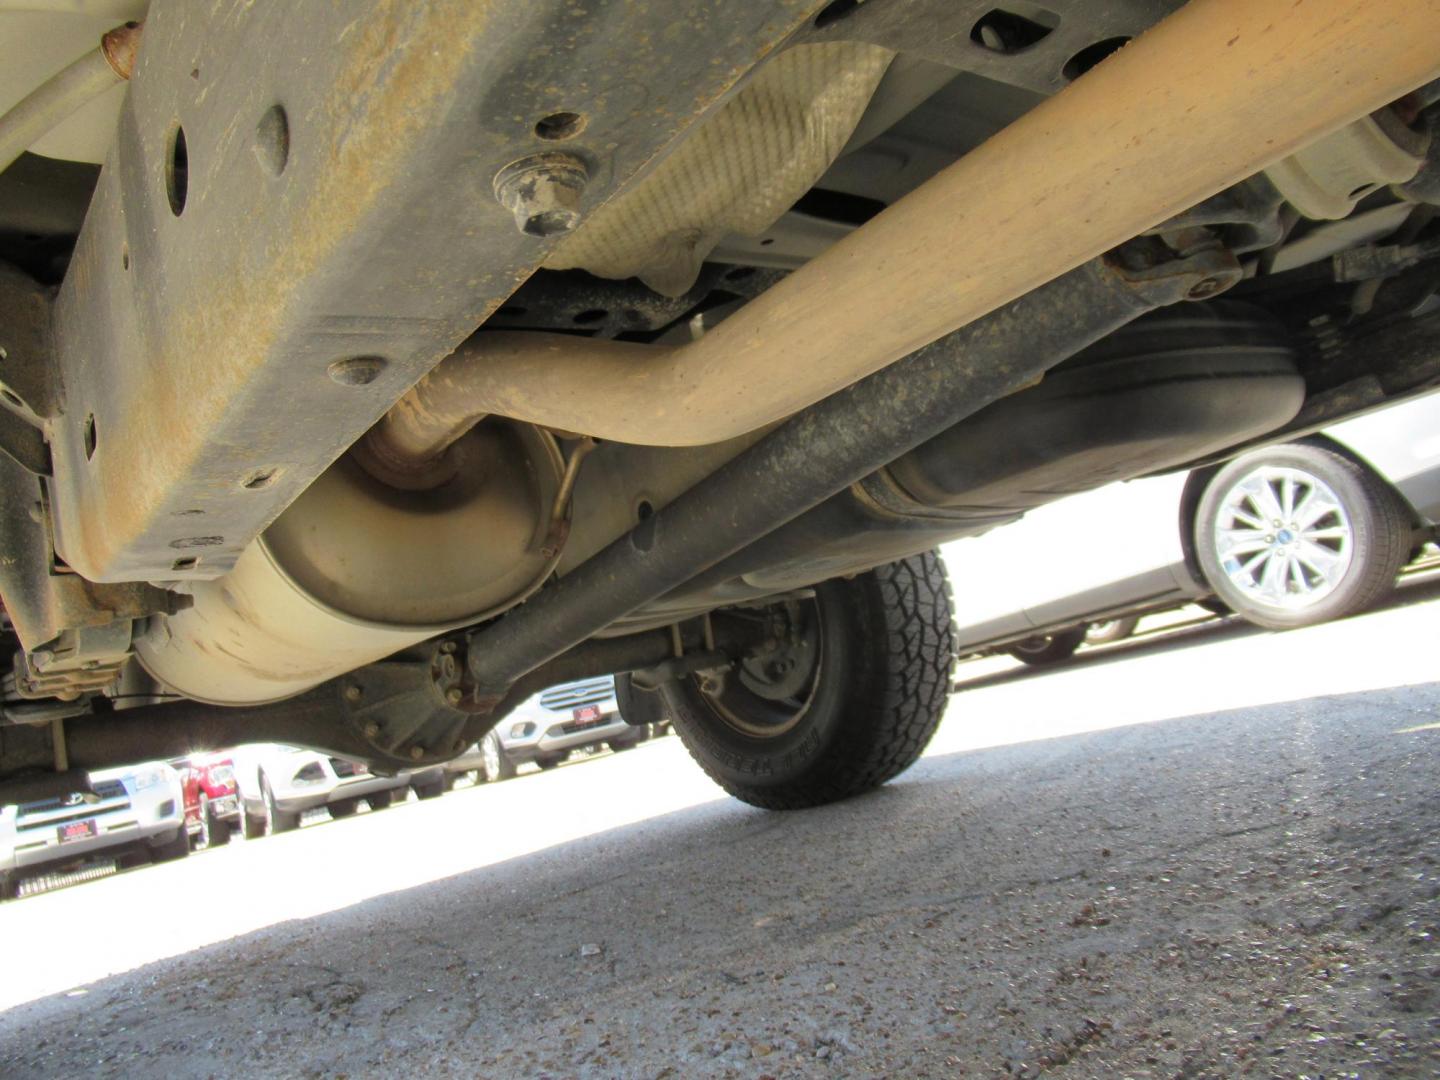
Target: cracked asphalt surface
1211	853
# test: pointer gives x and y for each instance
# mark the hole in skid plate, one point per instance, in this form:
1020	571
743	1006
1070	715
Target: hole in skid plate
177	171
272	140
559	126
189	562
1091	55
12	397
1011	32
88	432
836	11
260	478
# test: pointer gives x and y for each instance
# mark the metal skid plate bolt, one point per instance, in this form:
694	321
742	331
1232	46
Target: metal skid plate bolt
543	192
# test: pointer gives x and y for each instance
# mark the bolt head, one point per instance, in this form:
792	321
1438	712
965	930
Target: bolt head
417	752
543	193
454	696
372	730
353	693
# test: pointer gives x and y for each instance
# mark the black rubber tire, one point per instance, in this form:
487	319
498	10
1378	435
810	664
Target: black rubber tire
1049	648
9	886
219	830
887	641
505	765
277	820
432	790
1381	526
178	847
251	827
1111	630
343	809
381	800
548	762
628	741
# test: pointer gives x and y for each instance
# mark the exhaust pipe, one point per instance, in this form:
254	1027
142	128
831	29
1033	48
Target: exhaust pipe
1211	95
824	449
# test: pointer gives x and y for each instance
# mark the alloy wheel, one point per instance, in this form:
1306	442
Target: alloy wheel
1283	537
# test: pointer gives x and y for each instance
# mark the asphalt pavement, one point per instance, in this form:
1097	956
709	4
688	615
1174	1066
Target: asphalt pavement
1209	852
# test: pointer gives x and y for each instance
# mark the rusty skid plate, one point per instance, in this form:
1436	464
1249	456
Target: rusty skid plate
295	186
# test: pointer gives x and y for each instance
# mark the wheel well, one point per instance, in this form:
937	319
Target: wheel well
1326	443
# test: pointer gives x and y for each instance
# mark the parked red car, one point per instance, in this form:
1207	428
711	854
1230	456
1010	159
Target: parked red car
212	799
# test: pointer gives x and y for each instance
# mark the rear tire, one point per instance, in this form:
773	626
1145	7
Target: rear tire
1282	567
548	762
381	800
9	886
848	700
1049	648
343	809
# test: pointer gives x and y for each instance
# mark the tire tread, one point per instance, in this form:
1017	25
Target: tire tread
912	633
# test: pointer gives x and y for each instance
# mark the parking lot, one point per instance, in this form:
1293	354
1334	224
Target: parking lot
1208	852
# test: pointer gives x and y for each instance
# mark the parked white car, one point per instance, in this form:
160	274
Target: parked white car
1284	536
132	812
278	784
547	727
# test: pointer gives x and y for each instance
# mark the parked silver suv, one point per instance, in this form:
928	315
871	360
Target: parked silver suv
547	726
278	784
135	811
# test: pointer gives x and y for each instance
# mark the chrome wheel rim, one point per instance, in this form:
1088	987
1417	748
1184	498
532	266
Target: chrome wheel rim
1283	538
490	755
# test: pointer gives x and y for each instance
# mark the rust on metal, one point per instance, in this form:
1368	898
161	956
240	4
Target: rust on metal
198	330
120	47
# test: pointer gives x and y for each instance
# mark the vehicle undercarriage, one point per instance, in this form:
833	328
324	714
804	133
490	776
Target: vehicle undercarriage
368	367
